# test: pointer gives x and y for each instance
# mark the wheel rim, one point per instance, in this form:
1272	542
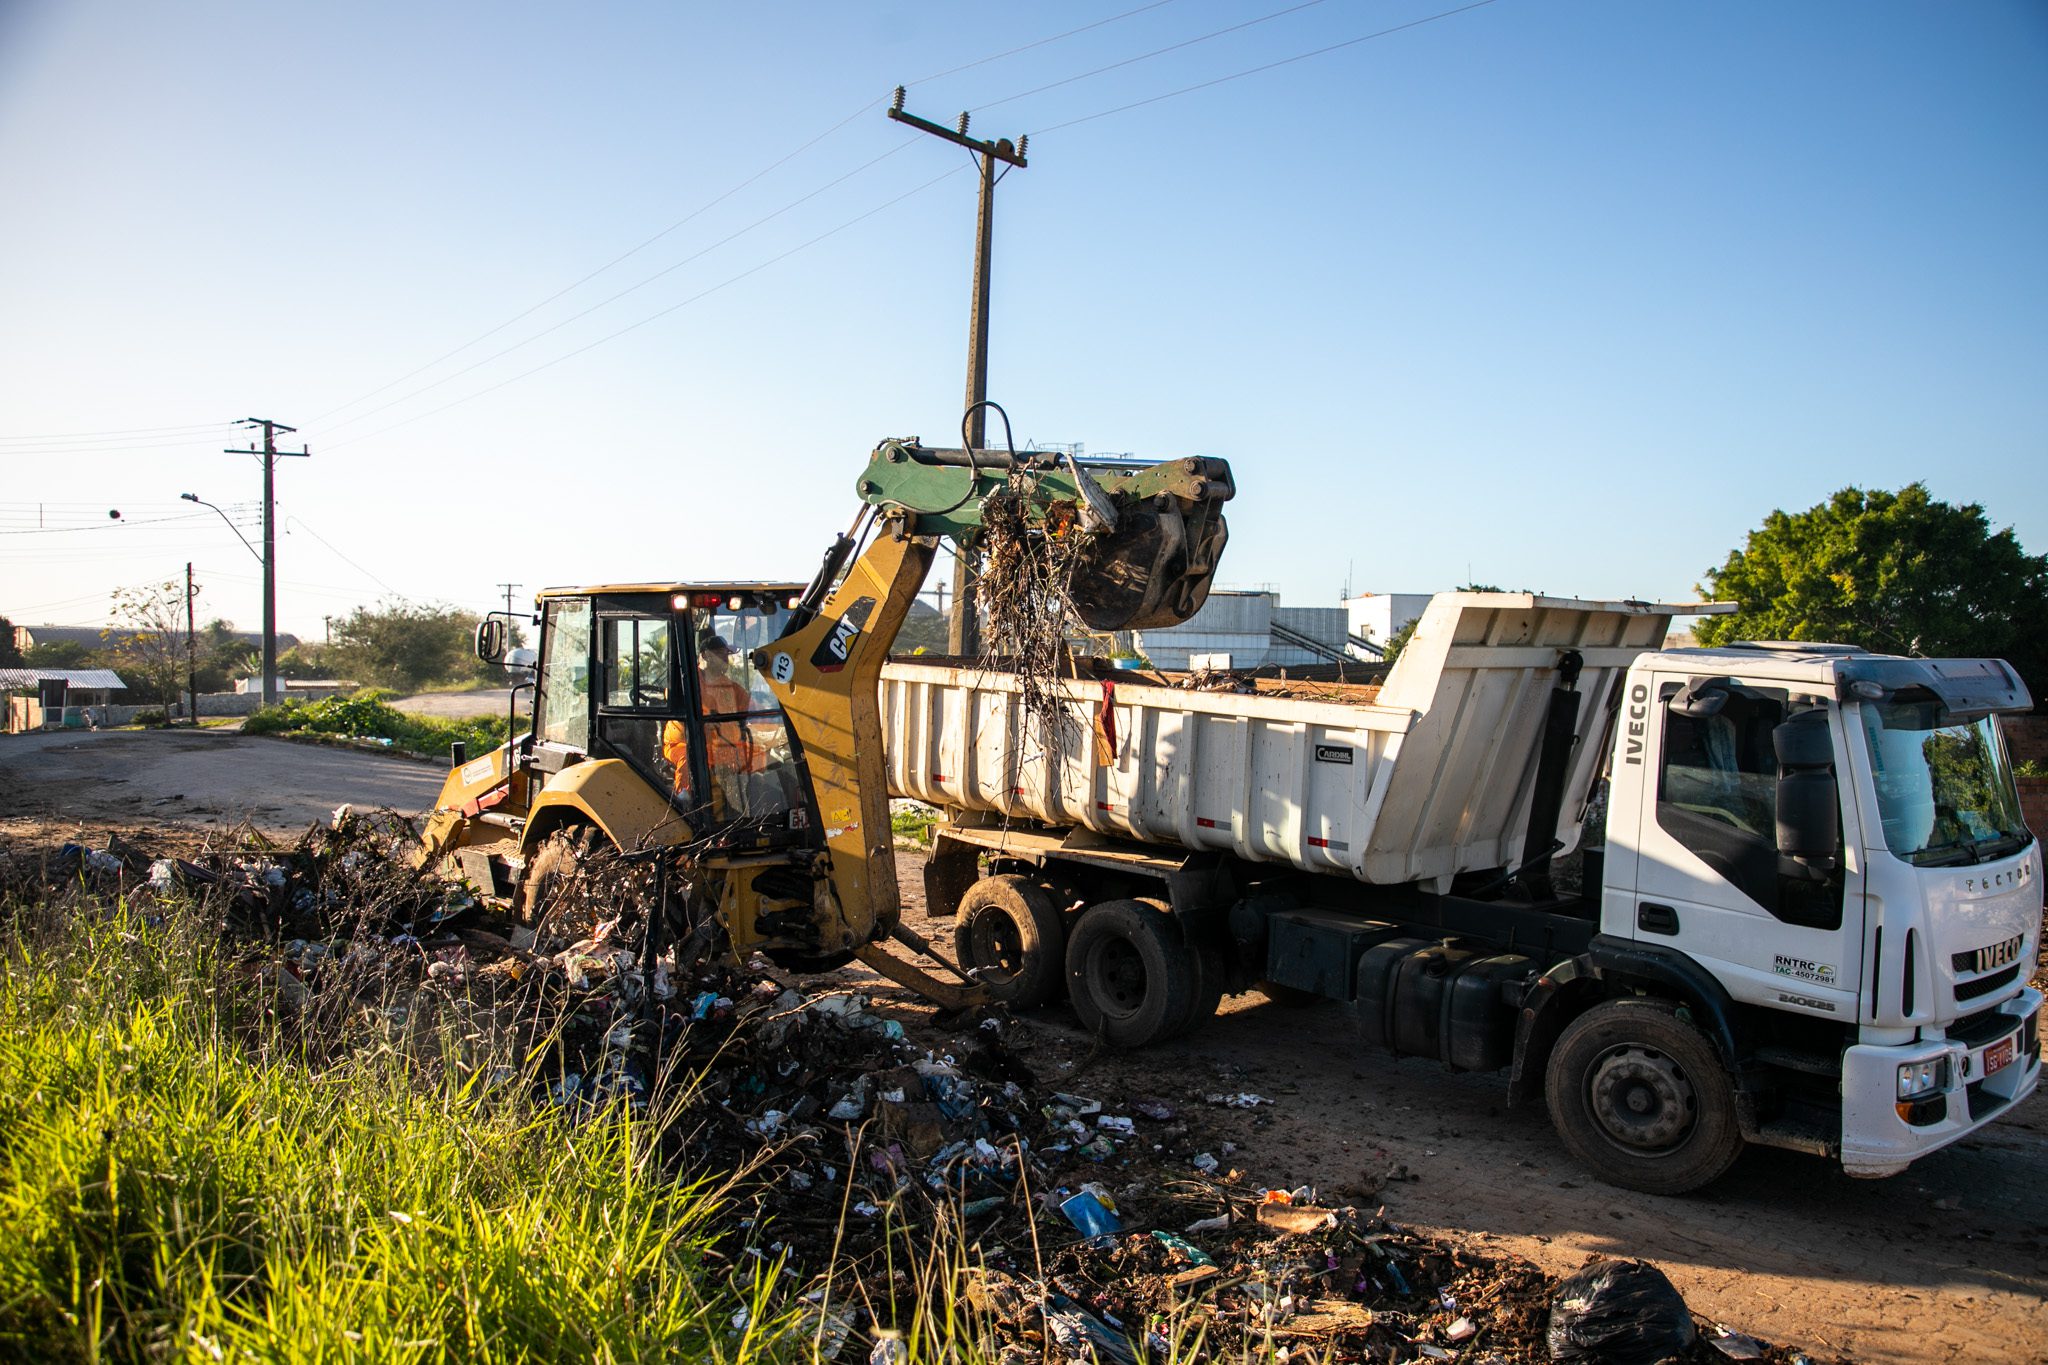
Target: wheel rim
1116	978
1641	1100
998	946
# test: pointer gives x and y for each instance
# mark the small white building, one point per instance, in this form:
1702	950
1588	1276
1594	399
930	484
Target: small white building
1379	616
1236	629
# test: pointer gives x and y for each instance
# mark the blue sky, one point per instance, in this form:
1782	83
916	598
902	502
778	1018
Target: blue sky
1564	296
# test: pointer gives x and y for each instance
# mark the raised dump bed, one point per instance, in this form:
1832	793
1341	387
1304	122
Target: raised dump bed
1427	776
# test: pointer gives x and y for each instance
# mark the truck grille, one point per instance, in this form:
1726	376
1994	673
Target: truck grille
1987	958
1984	985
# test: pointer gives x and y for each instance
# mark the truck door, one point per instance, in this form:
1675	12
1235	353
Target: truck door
561	703
1709	880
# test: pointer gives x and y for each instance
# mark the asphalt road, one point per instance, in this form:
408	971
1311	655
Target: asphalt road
203	777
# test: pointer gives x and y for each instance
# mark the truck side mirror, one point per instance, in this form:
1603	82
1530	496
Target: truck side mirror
1809	803
491	639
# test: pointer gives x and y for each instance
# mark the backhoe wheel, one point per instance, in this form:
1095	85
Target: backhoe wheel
1132	976
1009	933
552	870
1641	1097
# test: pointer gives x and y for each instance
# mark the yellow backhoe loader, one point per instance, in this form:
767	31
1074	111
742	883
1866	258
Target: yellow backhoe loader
739	724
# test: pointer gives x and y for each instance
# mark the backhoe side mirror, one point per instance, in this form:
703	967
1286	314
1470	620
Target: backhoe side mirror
491	640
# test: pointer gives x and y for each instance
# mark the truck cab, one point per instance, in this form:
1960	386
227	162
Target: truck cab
1834	838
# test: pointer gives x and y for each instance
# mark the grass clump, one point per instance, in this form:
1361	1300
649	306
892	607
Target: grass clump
179	1182
369	715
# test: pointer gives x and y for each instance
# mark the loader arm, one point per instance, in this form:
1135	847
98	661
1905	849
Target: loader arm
1154	534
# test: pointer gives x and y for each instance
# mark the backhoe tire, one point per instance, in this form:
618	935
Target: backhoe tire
1641	1097
1009	933
551	870
1131	974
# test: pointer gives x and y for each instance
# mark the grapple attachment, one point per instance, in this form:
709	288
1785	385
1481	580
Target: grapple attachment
1152	535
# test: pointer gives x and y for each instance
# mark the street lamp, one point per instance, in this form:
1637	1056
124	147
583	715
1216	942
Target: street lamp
194	497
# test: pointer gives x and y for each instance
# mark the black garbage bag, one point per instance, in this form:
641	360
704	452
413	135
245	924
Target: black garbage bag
1619	1313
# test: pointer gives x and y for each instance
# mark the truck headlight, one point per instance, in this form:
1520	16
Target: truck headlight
1918	1079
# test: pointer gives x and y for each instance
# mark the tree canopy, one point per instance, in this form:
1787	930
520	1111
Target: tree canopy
407	645
1902	573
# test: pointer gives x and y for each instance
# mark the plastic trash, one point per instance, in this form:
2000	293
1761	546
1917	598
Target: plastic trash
97	860
1734	1344
1116	1123
1243	1099
1619	1313
890	1349
1206	1162
1220	1223
1095	1219
1186	1248
1460	1330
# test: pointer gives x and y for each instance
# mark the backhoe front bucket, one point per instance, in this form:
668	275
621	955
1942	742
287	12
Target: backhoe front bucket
1153	570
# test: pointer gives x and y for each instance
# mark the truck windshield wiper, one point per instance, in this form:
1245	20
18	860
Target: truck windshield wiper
1949	854
1998	845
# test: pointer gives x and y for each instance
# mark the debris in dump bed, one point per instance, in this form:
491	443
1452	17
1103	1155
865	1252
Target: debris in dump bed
1026	572
1097	1228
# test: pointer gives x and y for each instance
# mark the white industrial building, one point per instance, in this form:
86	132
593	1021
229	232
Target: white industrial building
1376	617
1236	629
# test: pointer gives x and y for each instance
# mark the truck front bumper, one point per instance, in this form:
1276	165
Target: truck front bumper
1877	1137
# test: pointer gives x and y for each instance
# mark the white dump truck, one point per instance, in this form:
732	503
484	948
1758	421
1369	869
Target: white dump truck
1779	893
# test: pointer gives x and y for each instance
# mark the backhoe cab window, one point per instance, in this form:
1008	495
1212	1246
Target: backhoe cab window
562	703
1717	794
636	661
746	741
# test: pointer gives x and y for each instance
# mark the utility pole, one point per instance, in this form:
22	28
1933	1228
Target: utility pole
508	595
270	454
191	650
963	633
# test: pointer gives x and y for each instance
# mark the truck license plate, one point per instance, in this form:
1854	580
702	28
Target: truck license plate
1998	1056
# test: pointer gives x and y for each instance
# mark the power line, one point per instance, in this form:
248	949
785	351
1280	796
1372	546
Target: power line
700	211
655	317
1148	56
97	435
1267	66
301	523
607	302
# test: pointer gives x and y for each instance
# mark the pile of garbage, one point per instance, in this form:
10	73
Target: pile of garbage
1075	1226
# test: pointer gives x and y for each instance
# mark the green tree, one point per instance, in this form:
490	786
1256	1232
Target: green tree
1902	573
62	654
10	655
148	641
406	645
1398	641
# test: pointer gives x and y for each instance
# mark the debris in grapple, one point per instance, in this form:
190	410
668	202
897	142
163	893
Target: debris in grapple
1026	576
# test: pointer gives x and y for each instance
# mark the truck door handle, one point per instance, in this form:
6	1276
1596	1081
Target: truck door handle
1653	918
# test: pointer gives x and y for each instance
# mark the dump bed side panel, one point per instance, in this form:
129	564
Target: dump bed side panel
1432	778
1478	673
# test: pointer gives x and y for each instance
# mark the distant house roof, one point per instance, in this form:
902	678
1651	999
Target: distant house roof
71	677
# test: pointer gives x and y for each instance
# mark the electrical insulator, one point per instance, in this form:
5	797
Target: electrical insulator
1023	144
896	105
963	123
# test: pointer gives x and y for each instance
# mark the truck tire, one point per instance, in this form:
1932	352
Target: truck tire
1641	1097
1010	934
1211	968
1132	976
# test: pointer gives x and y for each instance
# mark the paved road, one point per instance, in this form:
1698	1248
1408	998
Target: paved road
201	777
485	701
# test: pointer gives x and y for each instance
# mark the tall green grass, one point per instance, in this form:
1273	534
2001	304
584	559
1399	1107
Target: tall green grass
179	1180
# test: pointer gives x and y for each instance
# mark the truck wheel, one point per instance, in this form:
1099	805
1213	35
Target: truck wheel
1642	1098
1132	976
1211	968
1011	936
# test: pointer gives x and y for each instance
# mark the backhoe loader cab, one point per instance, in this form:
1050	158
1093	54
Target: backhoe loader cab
650	726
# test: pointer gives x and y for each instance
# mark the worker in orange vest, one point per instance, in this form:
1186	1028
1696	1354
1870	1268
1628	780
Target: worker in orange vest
729	744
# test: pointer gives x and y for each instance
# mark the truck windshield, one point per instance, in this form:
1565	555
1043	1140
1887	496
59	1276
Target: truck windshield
1944	790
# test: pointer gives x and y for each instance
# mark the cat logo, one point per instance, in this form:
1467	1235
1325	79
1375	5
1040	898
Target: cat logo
837	648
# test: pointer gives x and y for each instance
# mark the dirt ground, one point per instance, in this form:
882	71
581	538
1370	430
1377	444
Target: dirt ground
1948	1262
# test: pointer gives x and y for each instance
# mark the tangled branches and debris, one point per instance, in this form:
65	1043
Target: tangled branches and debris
1026	574
930	1179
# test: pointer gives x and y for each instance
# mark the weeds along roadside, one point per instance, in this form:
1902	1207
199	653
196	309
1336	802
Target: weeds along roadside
196	1165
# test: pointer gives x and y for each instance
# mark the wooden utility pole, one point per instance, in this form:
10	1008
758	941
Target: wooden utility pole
191	650
963	632
270	454
508	595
